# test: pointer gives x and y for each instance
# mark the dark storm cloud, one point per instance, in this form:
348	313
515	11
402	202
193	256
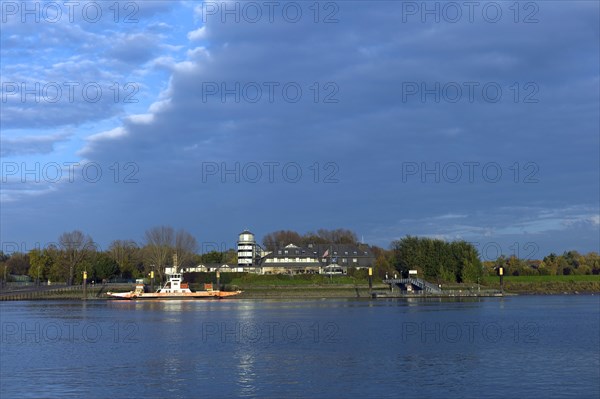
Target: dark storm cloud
366	62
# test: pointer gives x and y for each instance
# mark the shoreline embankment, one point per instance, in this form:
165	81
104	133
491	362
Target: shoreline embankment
322	291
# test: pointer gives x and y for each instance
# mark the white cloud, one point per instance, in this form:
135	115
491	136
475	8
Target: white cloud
160	106
141	119
197	34
109	135
16	195
451	216
198	52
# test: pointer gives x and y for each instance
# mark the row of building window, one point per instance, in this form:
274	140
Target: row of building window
344	260
297	252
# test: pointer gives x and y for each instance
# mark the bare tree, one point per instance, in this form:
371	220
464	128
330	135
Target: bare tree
322	236
338	236
126	254
75	245
281	238
159	247
185	247
18	263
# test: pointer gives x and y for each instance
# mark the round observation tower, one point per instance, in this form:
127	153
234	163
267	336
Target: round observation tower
246	249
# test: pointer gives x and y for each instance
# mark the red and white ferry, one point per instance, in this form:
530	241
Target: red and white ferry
174	288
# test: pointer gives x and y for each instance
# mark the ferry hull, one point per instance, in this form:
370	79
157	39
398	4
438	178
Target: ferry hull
182	295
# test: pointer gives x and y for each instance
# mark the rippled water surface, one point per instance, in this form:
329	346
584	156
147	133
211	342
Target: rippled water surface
526	346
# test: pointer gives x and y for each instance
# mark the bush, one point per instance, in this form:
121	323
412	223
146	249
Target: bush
584	269
543	271
529	271
360	274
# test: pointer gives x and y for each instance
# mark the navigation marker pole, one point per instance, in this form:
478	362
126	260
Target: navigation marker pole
84	285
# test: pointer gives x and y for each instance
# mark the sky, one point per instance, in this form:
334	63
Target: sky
474	121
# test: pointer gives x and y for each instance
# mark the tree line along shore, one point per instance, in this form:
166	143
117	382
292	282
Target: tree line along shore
441	262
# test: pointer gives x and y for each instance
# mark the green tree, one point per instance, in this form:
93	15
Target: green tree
41	262
230	257
593	261
445	275
105	267
383	266
472	270
550	263
212	257
437	259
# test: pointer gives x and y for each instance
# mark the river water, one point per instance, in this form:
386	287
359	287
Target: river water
526	346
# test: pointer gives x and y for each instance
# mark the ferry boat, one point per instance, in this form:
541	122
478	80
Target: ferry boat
174	288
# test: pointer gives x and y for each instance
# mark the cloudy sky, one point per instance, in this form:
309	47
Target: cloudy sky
475	121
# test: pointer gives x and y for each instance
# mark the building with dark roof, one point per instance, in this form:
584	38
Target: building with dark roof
313	258
293	259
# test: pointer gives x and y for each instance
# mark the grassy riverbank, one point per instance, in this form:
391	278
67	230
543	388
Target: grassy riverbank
301	286
546	284
281	286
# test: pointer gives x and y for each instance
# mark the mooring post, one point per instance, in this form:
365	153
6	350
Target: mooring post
370	279
85	285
